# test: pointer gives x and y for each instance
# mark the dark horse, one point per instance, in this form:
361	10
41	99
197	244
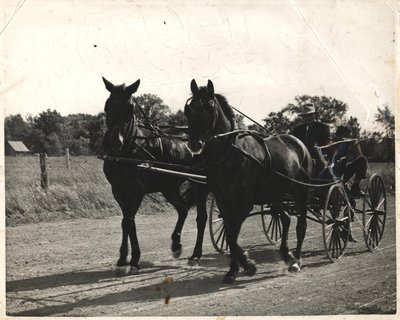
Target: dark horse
127	138
243	168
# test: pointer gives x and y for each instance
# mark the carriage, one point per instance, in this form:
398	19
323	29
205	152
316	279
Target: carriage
330	203
335	210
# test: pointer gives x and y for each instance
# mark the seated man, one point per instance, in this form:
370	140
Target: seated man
341	164
313	134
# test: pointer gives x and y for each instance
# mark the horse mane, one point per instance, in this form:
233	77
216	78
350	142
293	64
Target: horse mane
226	108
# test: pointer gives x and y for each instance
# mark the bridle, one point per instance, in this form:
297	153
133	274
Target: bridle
190	111
130	134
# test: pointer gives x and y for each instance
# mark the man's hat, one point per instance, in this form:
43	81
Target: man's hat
307	109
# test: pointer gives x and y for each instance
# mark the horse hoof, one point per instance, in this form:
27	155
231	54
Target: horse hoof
133	270
177	253
229	279
122	271
193	262
294	268
288	258
250	270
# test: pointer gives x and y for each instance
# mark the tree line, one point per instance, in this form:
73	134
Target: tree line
83	134
330	111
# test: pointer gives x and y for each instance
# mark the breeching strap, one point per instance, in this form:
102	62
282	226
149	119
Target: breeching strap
307	184
281	174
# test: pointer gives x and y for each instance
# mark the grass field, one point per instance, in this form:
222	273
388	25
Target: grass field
83	190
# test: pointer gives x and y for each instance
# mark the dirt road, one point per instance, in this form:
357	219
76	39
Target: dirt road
67	269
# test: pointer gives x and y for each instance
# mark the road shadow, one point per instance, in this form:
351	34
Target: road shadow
199	282
259	253
180	281
75	278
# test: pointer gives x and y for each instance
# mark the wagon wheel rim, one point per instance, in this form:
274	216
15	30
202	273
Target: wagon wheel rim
217	228
272	226
336	223
374	212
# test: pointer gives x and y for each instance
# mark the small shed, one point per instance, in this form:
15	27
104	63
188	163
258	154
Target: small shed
14	148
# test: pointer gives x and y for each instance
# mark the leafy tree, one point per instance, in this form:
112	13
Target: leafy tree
177	119
156	111
354	126
365	134
52	145
38	142
49	122
240	122
35	141
77	125
97	130
16	128
329	110
277	122
79	147
385	118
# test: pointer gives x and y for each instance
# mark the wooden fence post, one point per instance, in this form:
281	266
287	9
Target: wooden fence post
67	159
44	176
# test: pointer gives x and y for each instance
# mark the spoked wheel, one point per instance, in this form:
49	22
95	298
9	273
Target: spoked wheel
217	228
336	223
374	212
272	226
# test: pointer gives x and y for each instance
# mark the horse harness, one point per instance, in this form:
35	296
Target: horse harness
131	137
241	133
267	163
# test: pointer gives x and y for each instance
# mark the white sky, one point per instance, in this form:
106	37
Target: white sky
259	54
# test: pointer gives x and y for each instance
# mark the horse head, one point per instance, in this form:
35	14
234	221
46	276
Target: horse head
208	114
119	110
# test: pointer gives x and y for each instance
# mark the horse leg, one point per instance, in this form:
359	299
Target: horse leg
231	238
135	199
129	204
123	250
232	226
173	196
176	246
243	259
201	220
226	208
301	227
277	209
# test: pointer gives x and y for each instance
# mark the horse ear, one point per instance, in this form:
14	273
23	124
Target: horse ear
210	88
109	86
133	87
194	87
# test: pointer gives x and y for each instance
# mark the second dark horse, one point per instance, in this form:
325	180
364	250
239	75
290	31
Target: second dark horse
243	169
127	138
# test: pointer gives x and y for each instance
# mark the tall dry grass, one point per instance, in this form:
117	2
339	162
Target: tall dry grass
80	191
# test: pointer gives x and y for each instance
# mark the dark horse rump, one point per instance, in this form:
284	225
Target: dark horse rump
275	161
127	138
